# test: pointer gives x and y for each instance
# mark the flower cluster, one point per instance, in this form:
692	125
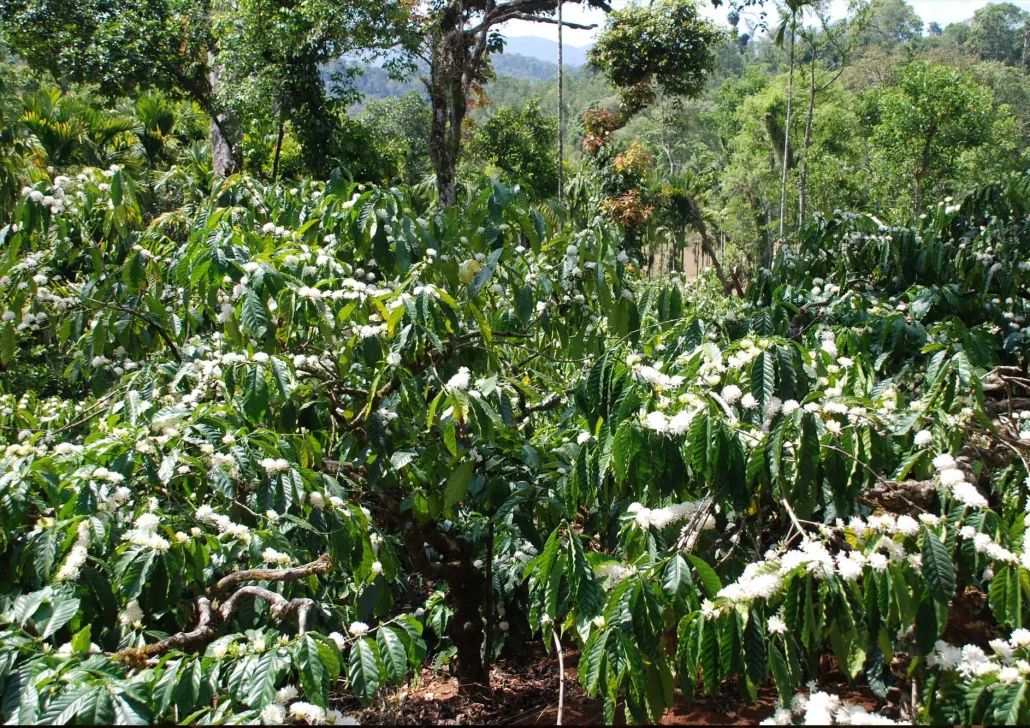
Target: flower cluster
954	482
821	708
661	517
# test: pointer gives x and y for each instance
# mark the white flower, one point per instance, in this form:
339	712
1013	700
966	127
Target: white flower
286	693
968	494
748	401
504	626
357	629
132	615
777	625
271	556
307	711
377	567
907	526
338	639
923	438
944	461
273	714
459	382
833	427
878	561
790	406
273	466
656	421
730	393
1020	637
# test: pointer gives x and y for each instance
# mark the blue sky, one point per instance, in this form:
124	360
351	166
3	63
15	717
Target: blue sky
941	11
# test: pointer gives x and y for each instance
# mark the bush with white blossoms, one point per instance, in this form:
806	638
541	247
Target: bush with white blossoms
285	416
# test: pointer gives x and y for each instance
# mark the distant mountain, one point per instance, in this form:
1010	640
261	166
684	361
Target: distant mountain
522	66
546	50
374	82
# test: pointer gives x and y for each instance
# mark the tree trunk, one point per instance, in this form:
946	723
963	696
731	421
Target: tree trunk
786	133
447	96
465	595
224	160
920	171
918	195
561	109
706	246
278	149
802	193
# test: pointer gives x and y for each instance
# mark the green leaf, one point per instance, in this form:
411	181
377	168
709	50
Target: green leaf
8	346
364	670
458	484
485	273
394	654
129	710
709	656
63	709
709	579
137	569
255	394
677	581
754	648
593	662
938	567
319	667
1008	702
255	314
781	674
763	380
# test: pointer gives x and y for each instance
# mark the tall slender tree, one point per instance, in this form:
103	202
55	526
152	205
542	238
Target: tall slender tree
454	39
837	41
795	9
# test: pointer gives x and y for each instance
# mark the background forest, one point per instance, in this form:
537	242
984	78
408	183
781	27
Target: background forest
331	392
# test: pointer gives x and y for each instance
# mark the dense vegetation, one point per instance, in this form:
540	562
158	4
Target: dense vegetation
281	426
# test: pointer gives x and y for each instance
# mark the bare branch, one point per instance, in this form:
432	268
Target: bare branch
201	634
902	496
280	607
149	320
552	21
322	565
213	614
548	404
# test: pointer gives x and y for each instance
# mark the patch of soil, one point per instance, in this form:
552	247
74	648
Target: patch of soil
524	691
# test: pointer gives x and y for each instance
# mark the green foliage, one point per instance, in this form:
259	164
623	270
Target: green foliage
996	33
267	447
932	113
522	144
664	47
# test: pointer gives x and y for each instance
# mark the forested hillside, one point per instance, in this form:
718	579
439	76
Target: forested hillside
328	399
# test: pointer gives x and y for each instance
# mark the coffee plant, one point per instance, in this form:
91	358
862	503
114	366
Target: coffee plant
286	445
